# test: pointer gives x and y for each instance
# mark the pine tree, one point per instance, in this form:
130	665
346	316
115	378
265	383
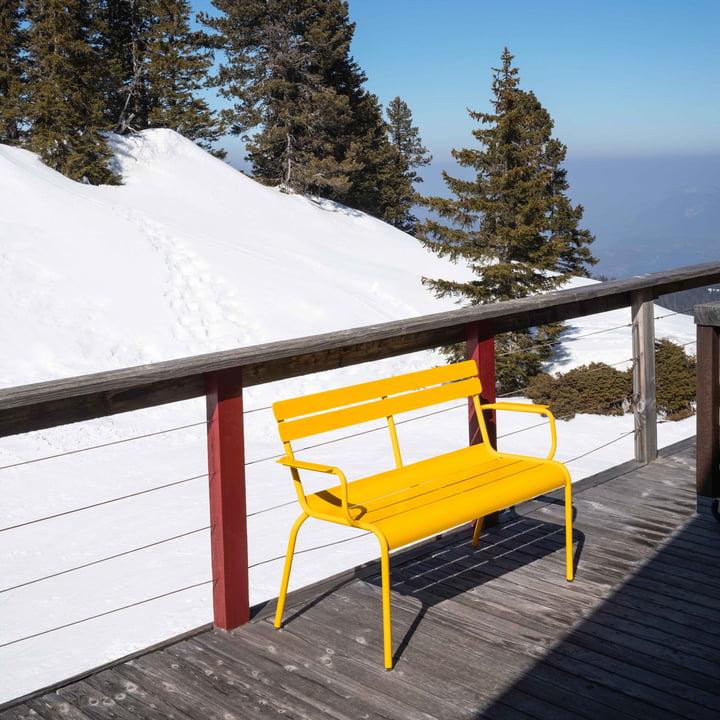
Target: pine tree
178	61
158	67
64	90
125	29
380	185
278	55
289	73
12	73
411	154
406	137
512	224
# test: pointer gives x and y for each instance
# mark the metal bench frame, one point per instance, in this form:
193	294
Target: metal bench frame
410	502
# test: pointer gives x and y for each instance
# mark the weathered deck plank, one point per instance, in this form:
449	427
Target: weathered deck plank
487	632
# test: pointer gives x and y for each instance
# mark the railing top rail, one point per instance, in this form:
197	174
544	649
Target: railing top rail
57	402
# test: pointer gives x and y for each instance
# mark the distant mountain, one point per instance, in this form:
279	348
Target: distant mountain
649	214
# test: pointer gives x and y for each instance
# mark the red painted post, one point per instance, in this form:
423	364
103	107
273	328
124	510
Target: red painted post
228	517
480	347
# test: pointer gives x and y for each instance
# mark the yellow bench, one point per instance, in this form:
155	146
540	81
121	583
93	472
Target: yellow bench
411	502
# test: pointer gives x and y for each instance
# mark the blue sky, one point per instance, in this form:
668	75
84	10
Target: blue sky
618	78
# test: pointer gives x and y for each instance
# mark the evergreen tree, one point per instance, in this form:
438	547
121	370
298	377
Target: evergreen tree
12	73
406	137
125	29
513	225
277	53
411	154
158	67
381	185
289	73
64	89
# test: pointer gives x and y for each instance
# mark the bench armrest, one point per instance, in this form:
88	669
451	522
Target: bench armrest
294	464
303	465
529	408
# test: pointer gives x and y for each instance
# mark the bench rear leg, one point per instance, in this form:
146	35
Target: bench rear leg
569	571
477	531
286	570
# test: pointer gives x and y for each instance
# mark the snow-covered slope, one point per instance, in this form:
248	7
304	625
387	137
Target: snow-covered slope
190	256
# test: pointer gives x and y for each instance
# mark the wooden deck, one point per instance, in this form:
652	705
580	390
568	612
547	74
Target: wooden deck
492	632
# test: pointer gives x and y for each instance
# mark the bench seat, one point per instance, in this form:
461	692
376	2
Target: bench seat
431	496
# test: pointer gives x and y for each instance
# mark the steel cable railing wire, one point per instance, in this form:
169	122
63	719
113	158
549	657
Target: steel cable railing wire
600	447
105	613
101	445
559	341
105	559
111	557
265	510
102	502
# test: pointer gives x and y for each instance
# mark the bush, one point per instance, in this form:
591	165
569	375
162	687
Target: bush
600	389
597	388
675	376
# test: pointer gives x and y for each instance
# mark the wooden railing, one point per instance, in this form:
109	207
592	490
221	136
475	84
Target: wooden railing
221	377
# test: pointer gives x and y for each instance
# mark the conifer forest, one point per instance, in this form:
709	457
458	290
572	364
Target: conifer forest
72	72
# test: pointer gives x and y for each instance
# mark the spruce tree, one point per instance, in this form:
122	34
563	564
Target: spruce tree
513	224
178	61
158	67
411	154
382	185
289	73
406	137
65	101
12	73
125	29
278	53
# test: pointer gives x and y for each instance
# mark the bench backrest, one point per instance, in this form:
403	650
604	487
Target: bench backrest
335	409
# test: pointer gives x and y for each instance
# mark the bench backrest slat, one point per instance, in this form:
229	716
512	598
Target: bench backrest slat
364	392
371	401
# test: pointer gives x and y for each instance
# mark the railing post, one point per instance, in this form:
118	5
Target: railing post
228	517
707	319
480	347
644	404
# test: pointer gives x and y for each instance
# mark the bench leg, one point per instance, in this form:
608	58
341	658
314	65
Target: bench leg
385	582
286	570
477	531
568	532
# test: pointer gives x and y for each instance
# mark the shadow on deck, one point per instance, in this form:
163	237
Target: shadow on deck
492	632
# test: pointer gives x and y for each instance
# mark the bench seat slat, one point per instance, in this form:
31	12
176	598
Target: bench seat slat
434	495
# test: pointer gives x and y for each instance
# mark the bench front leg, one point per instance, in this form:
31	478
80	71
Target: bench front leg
385	585
286	569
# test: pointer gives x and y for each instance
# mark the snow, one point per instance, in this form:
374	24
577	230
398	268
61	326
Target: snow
191	256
